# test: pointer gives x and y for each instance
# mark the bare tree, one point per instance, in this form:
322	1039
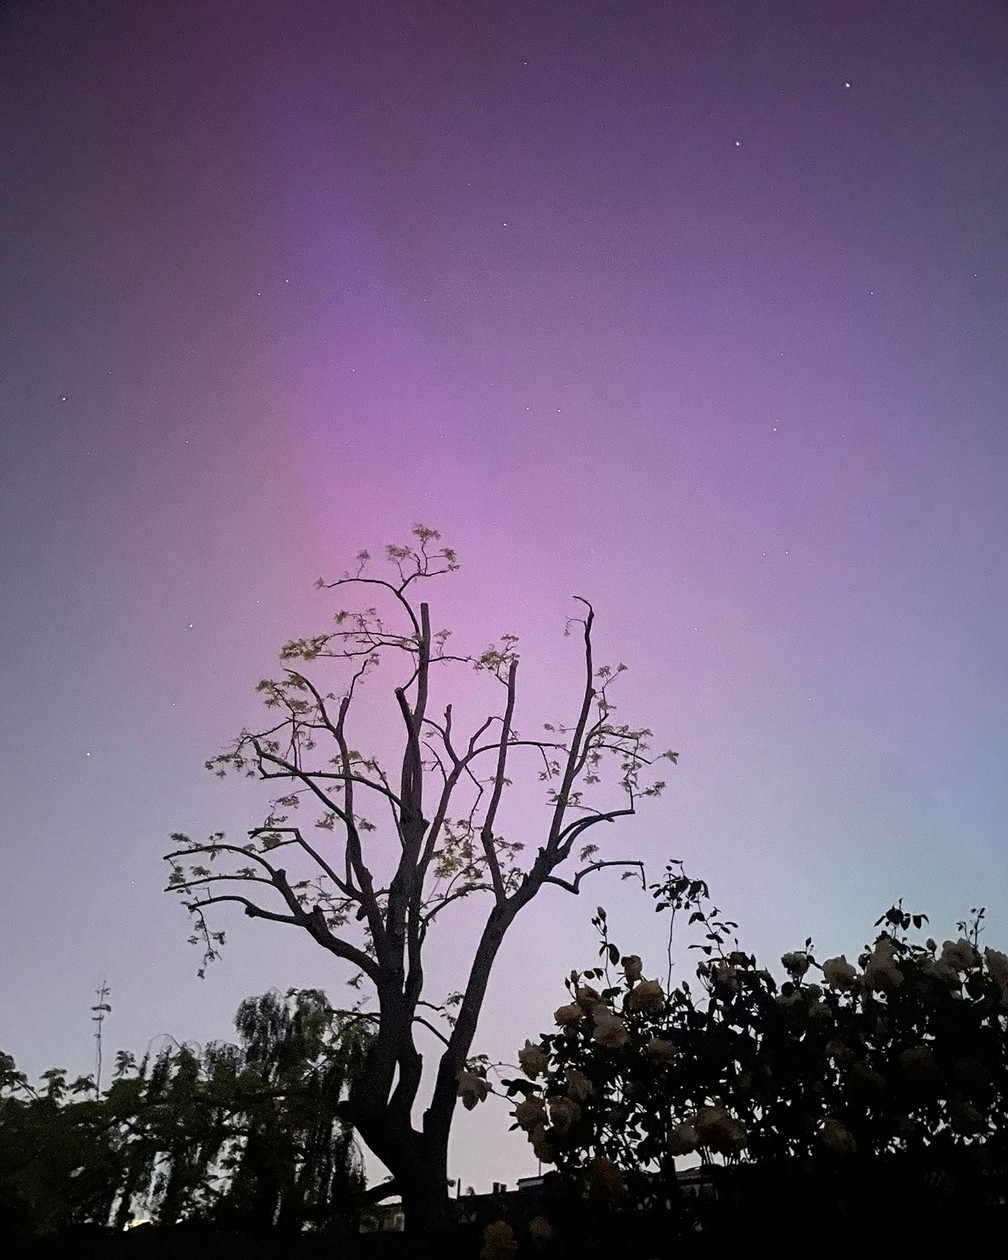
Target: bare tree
372	903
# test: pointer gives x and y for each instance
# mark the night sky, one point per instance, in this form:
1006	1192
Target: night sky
695	309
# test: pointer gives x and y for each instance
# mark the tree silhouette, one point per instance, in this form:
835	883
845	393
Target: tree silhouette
371	900
248	1135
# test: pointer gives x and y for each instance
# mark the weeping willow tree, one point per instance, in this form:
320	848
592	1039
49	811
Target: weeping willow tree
297	1164
249	1135
391	845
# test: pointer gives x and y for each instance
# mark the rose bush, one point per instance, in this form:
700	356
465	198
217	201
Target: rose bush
899	1062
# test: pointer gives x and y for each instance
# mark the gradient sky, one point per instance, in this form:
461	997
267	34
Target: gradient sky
694	309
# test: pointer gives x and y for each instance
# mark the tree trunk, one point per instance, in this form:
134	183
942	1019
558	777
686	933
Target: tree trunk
425	1201
419	1165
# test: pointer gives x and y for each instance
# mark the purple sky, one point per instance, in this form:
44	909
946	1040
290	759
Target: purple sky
694	309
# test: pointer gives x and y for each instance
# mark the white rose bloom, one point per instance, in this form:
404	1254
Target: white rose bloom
578	1086
724	974
540	1145
567	1015
540	1230
880	969
646	995
530	1114
836	1138
939	970
533	1060
587	998
997	966
795	964
631	967
563	1113
839	973
960	955
610	1031
718	1131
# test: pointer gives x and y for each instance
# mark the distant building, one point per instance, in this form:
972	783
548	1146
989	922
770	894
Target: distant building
531	1196
383	1218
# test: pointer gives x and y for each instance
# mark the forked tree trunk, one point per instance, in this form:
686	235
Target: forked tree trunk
420	1168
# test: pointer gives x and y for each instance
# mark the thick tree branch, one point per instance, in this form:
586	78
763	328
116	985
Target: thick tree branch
571	832
486	832
570	771
251	909
574	885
